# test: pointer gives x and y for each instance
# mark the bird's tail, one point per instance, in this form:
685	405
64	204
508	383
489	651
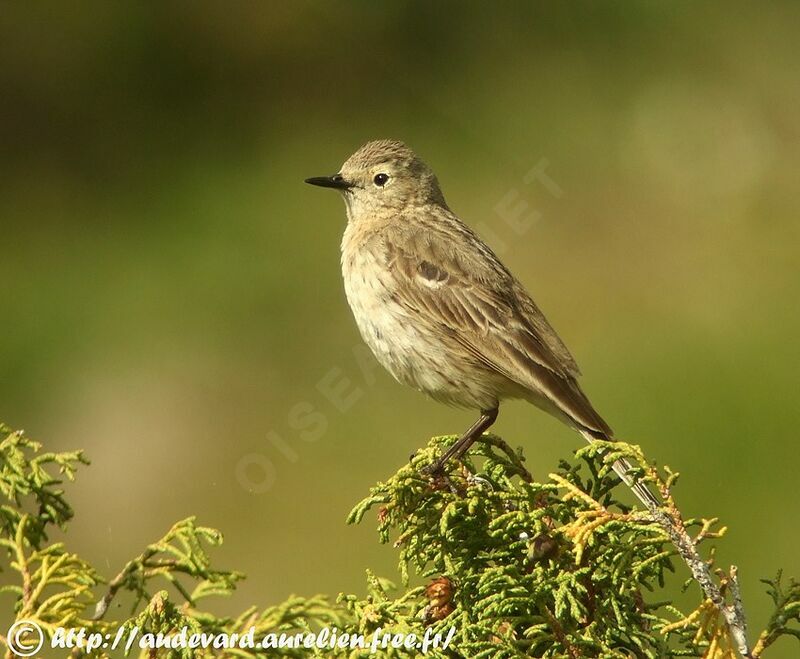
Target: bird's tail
623	469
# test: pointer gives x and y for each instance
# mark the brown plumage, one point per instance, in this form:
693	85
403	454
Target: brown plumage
436	305
461	289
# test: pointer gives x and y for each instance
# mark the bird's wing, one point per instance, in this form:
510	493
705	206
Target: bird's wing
459	285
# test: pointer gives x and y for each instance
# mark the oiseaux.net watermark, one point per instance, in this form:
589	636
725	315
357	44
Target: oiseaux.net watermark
26	638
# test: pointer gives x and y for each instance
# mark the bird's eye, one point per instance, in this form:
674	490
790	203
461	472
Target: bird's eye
380	179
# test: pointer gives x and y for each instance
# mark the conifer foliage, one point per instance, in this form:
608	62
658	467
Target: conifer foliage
560	567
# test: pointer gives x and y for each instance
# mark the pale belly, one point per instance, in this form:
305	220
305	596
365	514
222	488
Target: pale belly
411	350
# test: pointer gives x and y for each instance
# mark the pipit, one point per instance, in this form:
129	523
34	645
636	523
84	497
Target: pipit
437	307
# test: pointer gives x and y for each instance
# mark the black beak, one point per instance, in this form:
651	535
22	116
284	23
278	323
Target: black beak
335	181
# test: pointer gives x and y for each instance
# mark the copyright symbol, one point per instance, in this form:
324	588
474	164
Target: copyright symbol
25	638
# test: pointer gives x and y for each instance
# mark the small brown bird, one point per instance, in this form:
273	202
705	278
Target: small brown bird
437	308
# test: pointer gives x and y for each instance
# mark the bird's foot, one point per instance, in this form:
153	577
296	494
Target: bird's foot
434	470
439	480
443	482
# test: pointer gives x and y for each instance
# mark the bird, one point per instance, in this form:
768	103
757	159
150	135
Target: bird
438	308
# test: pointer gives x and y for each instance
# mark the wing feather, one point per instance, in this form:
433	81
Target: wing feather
462	287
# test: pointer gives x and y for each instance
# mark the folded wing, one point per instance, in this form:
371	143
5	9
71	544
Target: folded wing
462	287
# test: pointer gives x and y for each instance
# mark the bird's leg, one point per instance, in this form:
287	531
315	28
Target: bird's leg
466	440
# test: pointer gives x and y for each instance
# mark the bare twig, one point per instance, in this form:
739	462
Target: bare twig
669	518
117	582
739	632
672	523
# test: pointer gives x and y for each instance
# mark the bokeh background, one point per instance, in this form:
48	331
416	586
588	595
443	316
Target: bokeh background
171	290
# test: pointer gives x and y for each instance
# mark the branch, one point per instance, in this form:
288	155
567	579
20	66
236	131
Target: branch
669	518
118	582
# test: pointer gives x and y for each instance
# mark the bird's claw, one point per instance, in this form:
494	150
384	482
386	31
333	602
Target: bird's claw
434	470
439	479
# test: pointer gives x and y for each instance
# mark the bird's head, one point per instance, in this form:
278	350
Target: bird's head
384	174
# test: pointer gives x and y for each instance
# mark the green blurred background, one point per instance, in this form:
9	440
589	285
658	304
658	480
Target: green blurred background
171	289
